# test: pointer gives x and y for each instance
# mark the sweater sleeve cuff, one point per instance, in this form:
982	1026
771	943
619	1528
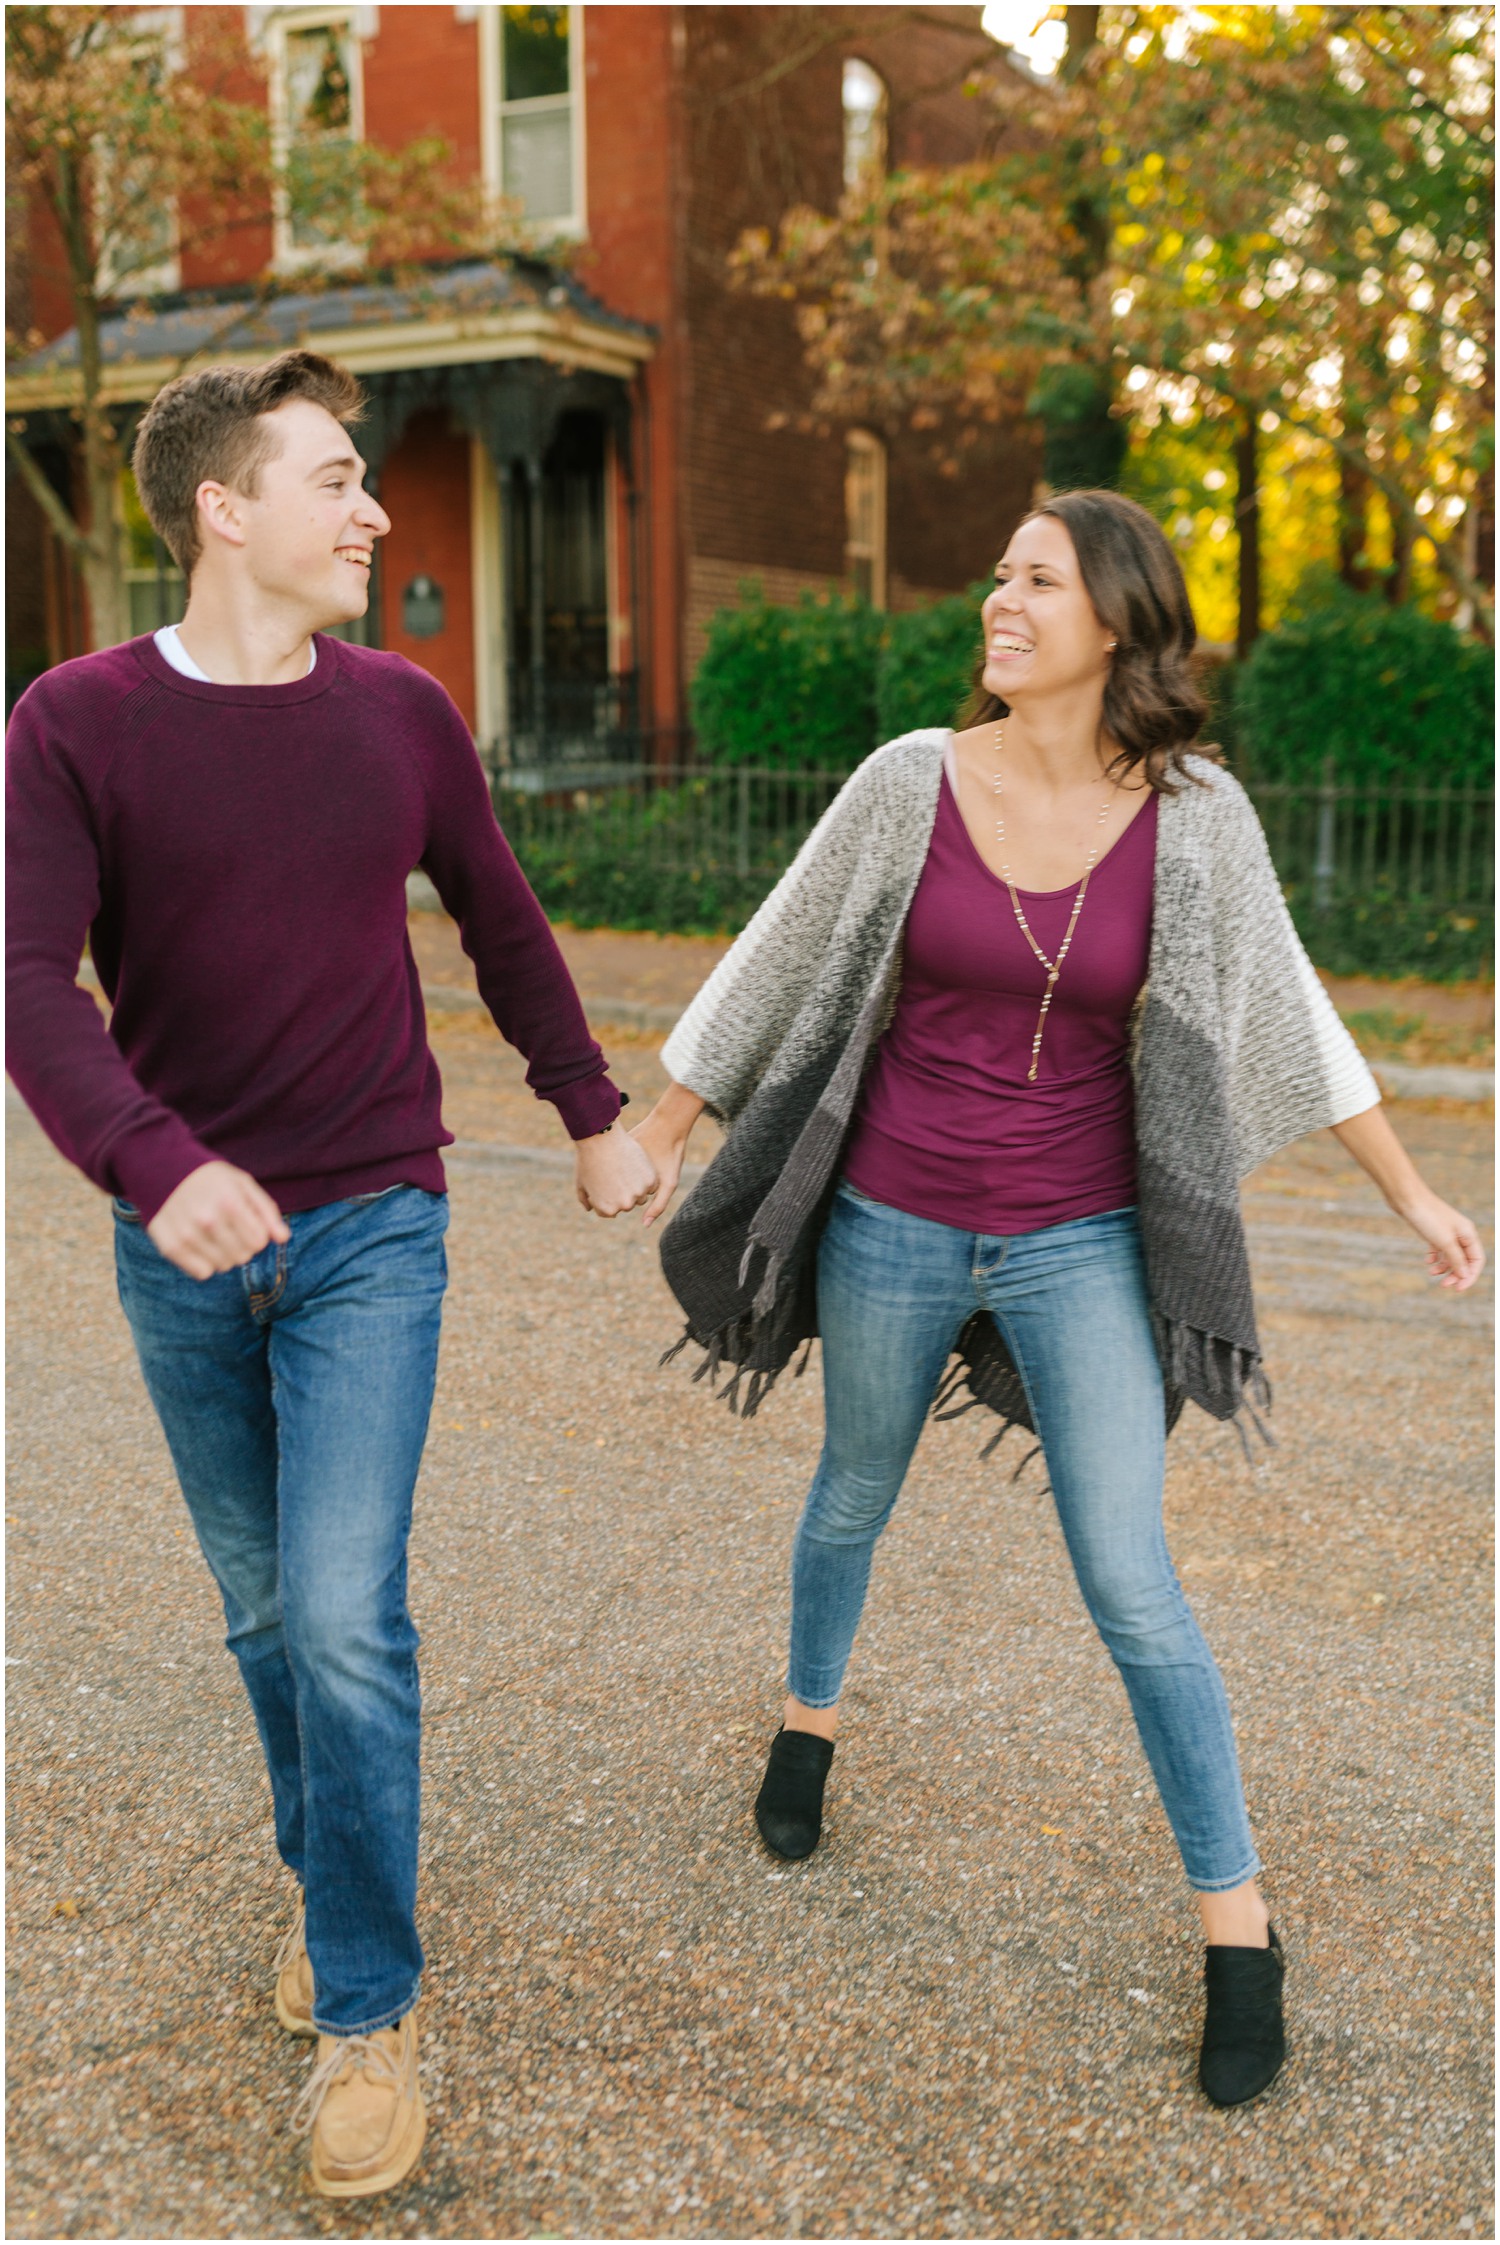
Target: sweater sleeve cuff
147	1168
588	1107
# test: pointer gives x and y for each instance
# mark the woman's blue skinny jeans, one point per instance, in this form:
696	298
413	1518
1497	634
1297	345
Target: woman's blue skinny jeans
893	1293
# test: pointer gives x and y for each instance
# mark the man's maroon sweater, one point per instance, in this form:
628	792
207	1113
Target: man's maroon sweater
237	857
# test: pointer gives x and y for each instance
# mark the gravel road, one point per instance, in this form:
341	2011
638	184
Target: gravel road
974	2012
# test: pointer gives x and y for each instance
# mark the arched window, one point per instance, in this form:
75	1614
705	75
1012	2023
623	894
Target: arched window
864	511
865	104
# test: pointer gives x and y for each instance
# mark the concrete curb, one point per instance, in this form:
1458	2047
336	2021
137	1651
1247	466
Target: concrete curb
1398	1081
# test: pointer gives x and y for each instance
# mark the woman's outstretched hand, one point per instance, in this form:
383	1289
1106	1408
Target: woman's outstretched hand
663	1138
1455	1257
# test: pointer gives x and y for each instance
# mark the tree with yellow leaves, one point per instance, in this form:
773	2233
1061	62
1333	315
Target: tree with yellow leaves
1273	215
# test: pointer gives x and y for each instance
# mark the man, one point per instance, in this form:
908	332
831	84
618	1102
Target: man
229	811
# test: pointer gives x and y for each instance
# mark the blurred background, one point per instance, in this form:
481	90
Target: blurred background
714	353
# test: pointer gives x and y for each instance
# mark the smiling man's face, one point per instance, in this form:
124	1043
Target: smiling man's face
310	527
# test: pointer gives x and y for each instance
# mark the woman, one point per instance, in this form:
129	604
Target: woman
994	1057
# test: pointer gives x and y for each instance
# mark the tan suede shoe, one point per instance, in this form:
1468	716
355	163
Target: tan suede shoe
294	1980
365	2103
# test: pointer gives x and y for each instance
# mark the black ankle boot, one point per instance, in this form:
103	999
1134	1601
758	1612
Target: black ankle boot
789	1806
1244	2040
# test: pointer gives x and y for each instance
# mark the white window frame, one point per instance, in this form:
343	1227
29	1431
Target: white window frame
166	274
574	226
274	27
864	443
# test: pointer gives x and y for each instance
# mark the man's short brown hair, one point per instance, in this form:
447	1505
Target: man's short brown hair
211	427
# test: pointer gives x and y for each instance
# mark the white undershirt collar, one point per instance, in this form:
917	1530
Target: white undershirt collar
173	651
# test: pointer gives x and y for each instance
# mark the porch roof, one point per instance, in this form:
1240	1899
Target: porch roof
459	315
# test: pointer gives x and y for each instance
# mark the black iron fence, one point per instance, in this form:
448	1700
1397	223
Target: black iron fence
1387	880
654	845
1379	879
1342	839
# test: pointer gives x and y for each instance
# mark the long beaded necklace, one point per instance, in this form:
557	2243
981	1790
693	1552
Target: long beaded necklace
1053	966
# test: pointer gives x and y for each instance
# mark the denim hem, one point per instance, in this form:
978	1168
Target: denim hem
1222	1886
371	2026
804	1701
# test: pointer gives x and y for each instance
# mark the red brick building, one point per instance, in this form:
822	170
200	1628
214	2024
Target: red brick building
582	461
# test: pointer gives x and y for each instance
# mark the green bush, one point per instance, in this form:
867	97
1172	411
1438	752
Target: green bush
593	889
1388	693
692	859
1390	936
788	689
927	663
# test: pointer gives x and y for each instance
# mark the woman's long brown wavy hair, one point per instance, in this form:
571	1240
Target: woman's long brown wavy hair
1152	705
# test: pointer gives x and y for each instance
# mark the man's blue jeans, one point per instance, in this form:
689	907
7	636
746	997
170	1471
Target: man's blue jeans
294	1395
1071	1302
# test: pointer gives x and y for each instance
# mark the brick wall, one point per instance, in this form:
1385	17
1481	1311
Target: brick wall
424	488
766	483
712	585
422	77
949	525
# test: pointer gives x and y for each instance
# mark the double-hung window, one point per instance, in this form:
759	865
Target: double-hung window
316	118
530	85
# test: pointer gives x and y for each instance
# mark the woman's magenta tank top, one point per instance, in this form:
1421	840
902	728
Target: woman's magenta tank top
947	1126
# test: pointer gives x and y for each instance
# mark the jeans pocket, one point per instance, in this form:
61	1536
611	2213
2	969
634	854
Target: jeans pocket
363	1200
852	1192
125	1210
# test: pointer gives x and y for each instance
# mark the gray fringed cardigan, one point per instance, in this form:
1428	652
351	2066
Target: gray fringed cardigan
1237	1051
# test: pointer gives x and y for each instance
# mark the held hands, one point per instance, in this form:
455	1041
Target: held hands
611	1173
664	1136
217	1219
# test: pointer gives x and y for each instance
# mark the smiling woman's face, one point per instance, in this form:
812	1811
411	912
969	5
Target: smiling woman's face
1041	634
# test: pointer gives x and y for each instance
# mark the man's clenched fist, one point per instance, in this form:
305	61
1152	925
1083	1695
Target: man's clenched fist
217	1219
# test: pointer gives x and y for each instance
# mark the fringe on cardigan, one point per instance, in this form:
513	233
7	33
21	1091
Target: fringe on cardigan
1233	1375
720	1349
